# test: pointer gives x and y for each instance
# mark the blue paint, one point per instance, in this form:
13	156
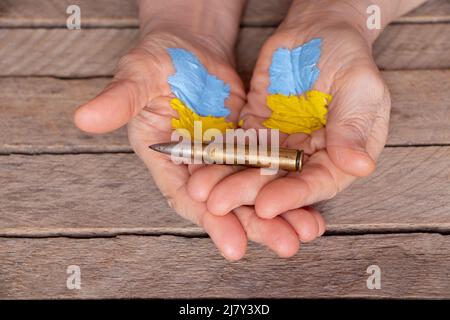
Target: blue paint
294	72
202	92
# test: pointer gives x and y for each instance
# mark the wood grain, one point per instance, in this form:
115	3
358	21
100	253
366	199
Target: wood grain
412	266
123	225
420	107
89	194
37	116
109	194
120	13
272	12
37	113
63	53
95	52
406	47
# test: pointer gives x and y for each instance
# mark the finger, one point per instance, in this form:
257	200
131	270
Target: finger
227	234
309	143
307	222
244	187
124	97
319	180
320	220
203	180
357	105
194	167
276	234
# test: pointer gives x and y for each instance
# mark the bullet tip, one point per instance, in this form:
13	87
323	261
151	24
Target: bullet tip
156	147
162	147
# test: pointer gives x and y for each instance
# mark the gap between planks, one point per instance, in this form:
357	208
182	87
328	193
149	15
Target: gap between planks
134	26
196	232
57	151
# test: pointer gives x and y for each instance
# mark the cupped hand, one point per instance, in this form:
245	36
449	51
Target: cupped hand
347	148
139	95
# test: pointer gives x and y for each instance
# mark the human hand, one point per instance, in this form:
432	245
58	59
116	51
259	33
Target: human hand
141	96
349	145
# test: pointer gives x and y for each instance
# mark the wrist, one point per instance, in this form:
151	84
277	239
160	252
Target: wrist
215	22
329	13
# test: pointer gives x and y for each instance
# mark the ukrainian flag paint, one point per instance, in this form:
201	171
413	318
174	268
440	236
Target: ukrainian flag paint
295	106
200	96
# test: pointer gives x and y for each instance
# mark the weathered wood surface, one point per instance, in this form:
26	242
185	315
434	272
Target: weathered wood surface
95	52
37	116
406	47
272	12
37	113
120	13
122	222
412	266
420	107
108	194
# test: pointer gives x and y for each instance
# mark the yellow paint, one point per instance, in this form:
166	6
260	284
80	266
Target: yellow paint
241	123
186	118
293	114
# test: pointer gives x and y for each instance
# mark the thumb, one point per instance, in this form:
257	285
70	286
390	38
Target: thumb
351	121
346	143
112	108
123	98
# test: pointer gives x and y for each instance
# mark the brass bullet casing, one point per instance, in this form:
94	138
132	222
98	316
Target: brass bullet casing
229	154
283	158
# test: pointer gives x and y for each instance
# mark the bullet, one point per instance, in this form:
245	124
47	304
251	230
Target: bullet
229	154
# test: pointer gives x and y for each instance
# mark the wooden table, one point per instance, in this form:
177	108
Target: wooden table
68	198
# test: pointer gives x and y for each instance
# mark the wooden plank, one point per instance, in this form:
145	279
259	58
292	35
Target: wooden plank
272	12
88	194
63	53
110	194
37	116
407	181
407	47
120	13
412	266
420	107
52	13
431	11
95	52
37	113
